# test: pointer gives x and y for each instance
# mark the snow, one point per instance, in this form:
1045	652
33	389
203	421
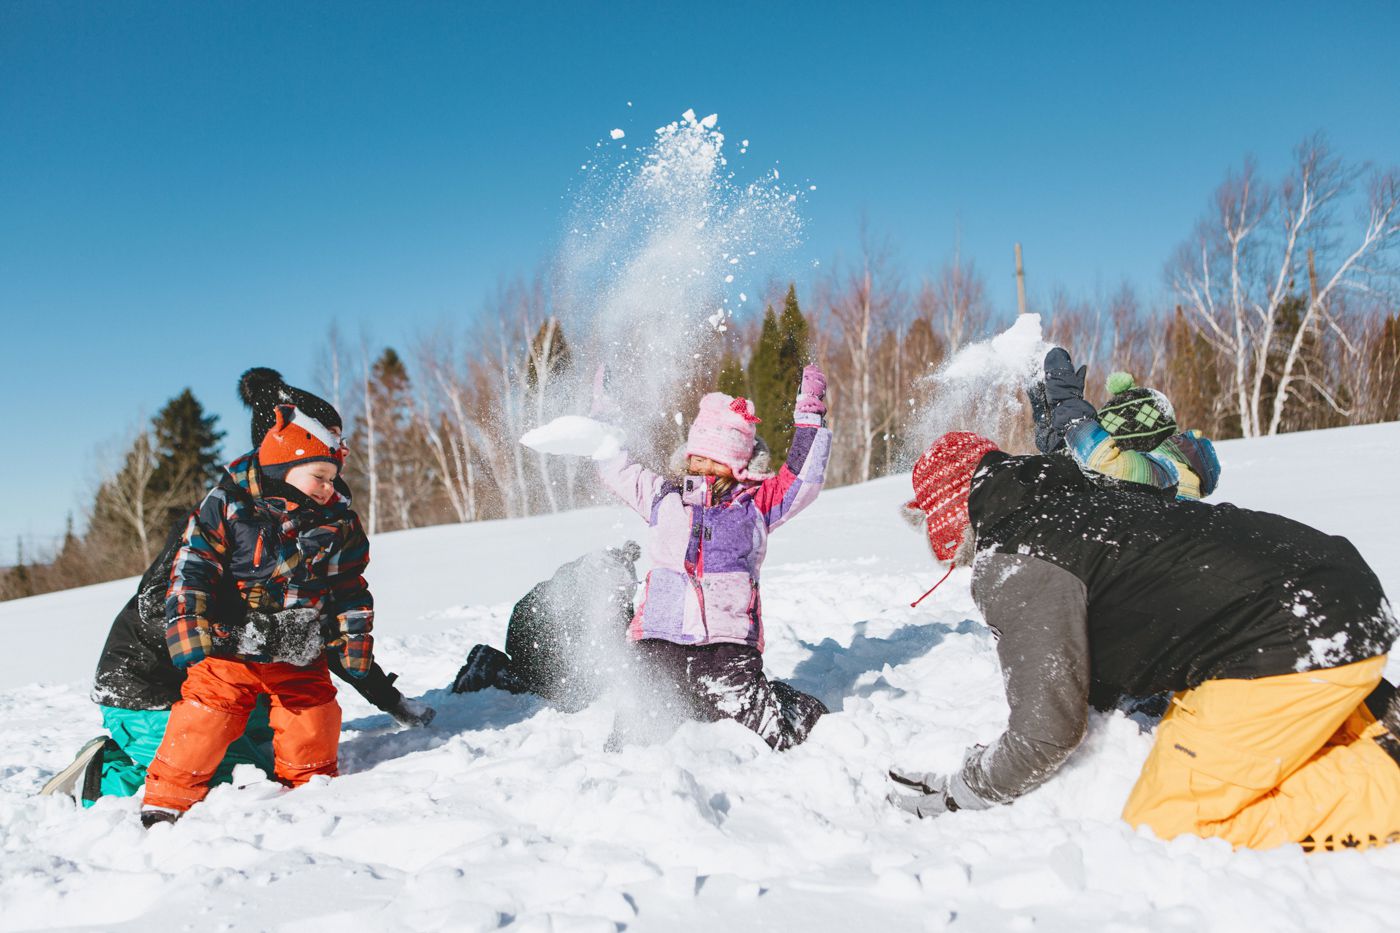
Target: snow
506	813
618	134
575	435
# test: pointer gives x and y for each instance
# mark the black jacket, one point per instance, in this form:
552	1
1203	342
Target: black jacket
135	670
1099	590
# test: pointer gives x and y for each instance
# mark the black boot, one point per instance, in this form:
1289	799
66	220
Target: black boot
483	668
150	816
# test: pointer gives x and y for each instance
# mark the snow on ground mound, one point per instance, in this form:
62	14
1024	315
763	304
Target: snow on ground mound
507	813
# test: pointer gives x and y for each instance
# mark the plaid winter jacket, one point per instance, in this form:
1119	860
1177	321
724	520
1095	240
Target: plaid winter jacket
702	588
296	570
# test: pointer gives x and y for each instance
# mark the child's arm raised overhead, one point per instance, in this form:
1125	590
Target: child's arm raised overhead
801	477
631	482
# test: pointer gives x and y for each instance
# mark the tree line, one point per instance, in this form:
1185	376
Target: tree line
1283	317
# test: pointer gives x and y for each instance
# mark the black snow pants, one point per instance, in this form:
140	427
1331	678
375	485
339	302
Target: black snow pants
713	682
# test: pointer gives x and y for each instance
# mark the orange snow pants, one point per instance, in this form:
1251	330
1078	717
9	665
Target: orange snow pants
213	710
1264	762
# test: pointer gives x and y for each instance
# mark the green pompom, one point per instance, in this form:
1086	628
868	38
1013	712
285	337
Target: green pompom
1119	382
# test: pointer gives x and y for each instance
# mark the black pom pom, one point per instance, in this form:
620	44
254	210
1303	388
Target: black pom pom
258	383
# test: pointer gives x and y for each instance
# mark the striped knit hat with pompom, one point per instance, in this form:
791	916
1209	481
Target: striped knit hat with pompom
942	484
1138	418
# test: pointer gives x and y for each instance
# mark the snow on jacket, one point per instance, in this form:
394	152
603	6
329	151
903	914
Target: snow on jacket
703	585
1096	590
1185	462
296	570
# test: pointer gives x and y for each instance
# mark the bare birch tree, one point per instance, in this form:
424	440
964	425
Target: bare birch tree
1239	273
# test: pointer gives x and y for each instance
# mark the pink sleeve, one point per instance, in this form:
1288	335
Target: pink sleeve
631	482
801	478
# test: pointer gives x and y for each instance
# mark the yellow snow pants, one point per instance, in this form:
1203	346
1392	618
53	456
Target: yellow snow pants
1264	762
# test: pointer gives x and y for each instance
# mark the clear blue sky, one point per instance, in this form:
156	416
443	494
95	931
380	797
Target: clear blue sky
190	188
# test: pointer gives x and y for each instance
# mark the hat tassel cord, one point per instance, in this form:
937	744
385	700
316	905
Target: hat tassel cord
915	603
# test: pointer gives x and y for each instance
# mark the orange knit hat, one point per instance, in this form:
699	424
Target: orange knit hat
296	437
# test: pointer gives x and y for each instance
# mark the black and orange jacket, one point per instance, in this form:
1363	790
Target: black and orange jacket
288	559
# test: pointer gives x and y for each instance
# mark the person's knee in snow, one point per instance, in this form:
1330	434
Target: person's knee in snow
1084	585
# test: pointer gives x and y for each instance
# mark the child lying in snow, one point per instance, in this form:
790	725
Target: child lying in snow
699	631
1134	437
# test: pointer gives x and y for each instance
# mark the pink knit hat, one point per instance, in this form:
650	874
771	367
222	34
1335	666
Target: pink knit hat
723	430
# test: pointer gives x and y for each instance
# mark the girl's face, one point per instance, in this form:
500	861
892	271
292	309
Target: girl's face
316	479
704	466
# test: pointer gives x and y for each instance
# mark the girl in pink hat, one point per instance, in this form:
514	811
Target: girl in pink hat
699	629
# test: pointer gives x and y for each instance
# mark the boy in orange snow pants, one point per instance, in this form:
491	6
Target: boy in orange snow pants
268	577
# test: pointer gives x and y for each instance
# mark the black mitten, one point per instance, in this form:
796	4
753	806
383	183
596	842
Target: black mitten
1064	398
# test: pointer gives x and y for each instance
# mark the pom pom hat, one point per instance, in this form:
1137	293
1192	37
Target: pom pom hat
290	425
1137	417
942	485
263	389
724	431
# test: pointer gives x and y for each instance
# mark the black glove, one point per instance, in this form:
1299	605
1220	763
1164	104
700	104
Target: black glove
1040	411
1064	399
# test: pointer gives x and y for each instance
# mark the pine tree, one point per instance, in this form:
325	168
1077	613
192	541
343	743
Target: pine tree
765	378
187	455
731	380
792	356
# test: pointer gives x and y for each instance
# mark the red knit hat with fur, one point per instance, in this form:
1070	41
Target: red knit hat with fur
296	437
942	484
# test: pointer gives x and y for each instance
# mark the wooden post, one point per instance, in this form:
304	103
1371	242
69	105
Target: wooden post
1020	283
1312	276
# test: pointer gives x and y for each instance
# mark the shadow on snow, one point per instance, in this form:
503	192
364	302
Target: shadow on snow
830	671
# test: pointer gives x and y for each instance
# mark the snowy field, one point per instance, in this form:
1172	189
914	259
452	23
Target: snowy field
507	813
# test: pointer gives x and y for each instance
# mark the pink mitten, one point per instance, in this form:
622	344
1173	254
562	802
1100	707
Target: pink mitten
811	400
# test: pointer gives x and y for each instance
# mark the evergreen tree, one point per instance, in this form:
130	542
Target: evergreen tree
732	380
792	356
187	455
765	378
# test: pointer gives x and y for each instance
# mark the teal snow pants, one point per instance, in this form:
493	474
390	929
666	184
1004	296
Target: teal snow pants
138	733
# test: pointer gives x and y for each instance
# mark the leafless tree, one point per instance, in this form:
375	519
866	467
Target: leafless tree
1238	276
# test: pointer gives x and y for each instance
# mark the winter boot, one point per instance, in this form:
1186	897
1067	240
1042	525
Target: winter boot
411	712
81	780
150	816
482	670
800	711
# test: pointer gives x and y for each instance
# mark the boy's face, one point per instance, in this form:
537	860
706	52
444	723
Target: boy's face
704	466
316	479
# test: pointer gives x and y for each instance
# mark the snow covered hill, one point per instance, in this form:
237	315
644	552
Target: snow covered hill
507	813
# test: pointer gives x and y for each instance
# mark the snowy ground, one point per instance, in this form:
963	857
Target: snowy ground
507	813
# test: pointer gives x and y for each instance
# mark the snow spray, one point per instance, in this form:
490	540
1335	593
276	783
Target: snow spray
647	272
981	388
645	278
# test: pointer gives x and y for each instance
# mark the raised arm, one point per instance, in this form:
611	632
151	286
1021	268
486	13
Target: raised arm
800	479
631	482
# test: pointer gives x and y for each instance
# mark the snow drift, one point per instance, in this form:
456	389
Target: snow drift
507	813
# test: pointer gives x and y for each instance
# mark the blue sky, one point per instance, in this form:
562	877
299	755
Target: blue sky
188	189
